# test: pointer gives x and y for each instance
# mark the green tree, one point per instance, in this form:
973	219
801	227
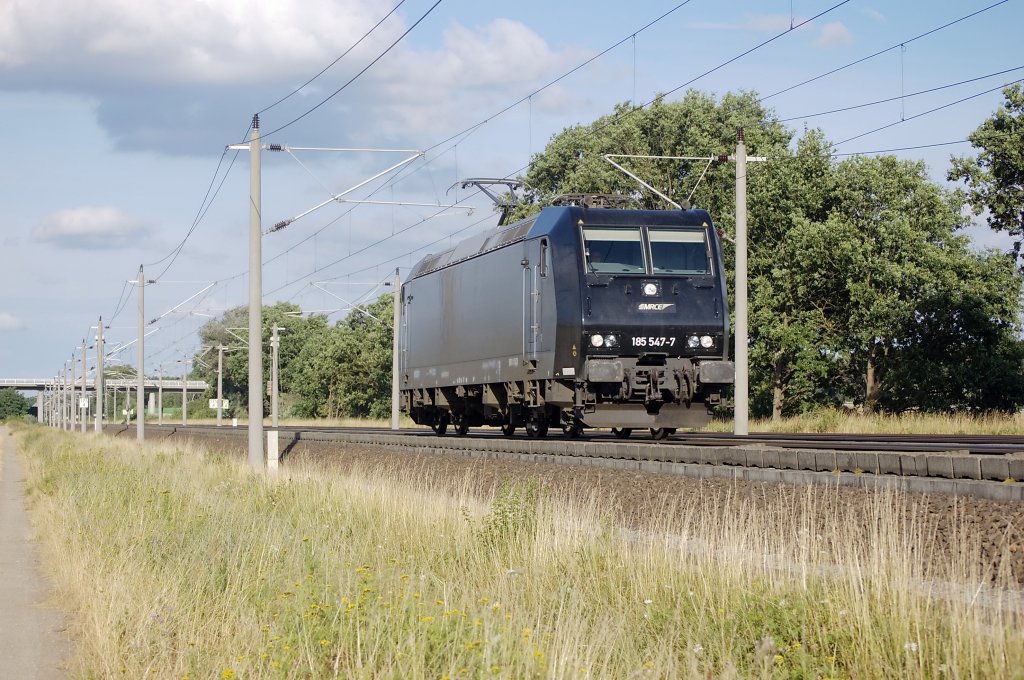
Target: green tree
794	293
231	331
12	404
962	348
696	125
995	179
901	232
346	370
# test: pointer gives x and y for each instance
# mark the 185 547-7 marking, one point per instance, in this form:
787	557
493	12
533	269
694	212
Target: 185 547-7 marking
654	341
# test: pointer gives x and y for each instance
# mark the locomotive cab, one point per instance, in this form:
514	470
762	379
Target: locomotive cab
655	325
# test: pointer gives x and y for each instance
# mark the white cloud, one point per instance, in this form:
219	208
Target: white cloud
834	34
9	322
474	72
89	228
874	14
211	41
765	23
174	76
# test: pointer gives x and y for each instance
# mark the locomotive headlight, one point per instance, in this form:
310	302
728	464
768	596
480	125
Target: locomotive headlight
706	341
611	341
693	342
597	340
650	289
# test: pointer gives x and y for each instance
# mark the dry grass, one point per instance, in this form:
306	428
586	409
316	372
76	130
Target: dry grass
181	563
843	421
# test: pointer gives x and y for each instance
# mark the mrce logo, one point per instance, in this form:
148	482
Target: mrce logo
655	306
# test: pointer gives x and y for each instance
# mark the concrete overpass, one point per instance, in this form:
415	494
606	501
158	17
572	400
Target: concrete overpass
149	384
56	402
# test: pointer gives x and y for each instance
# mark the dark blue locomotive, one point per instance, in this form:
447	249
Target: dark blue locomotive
576	317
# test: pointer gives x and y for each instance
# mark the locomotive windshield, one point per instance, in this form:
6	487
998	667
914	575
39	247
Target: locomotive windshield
614	251
679	252
621	250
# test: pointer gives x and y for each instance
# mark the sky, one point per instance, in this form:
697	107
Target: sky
117	117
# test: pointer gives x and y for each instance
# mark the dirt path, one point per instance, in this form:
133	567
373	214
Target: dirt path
33	643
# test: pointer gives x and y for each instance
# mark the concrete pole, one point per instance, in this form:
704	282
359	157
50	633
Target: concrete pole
742	403
64	400
160	397
395	319
69	394
184	392
140	398
100	387
84	404
72	405
275	341
256	457
220	384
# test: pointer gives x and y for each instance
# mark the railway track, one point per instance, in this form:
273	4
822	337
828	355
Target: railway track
982	466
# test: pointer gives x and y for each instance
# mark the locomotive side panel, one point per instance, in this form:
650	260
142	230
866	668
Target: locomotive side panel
478	321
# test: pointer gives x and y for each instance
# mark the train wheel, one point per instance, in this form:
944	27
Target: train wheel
508	429
440	428
660	433
622	432
572	431
461	427
536	429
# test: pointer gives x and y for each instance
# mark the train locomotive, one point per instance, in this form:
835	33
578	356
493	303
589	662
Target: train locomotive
576	317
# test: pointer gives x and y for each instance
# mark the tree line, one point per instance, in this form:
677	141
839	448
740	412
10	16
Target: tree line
326	371
863	286
13	405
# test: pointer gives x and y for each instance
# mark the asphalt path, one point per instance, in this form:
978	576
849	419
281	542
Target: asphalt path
33	642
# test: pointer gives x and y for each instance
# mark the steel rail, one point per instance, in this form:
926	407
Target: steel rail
953	471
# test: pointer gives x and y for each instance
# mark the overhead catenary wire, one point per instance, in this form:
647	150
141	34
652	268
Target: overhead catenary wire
357	75
565	75
901	43
891	99
203	209
472	128
122	300
354	253
325	69
903	148
929	111
762	44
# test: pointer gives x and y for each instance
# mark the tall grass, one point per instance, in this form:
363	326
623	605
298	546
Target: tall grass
181	563
853	422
